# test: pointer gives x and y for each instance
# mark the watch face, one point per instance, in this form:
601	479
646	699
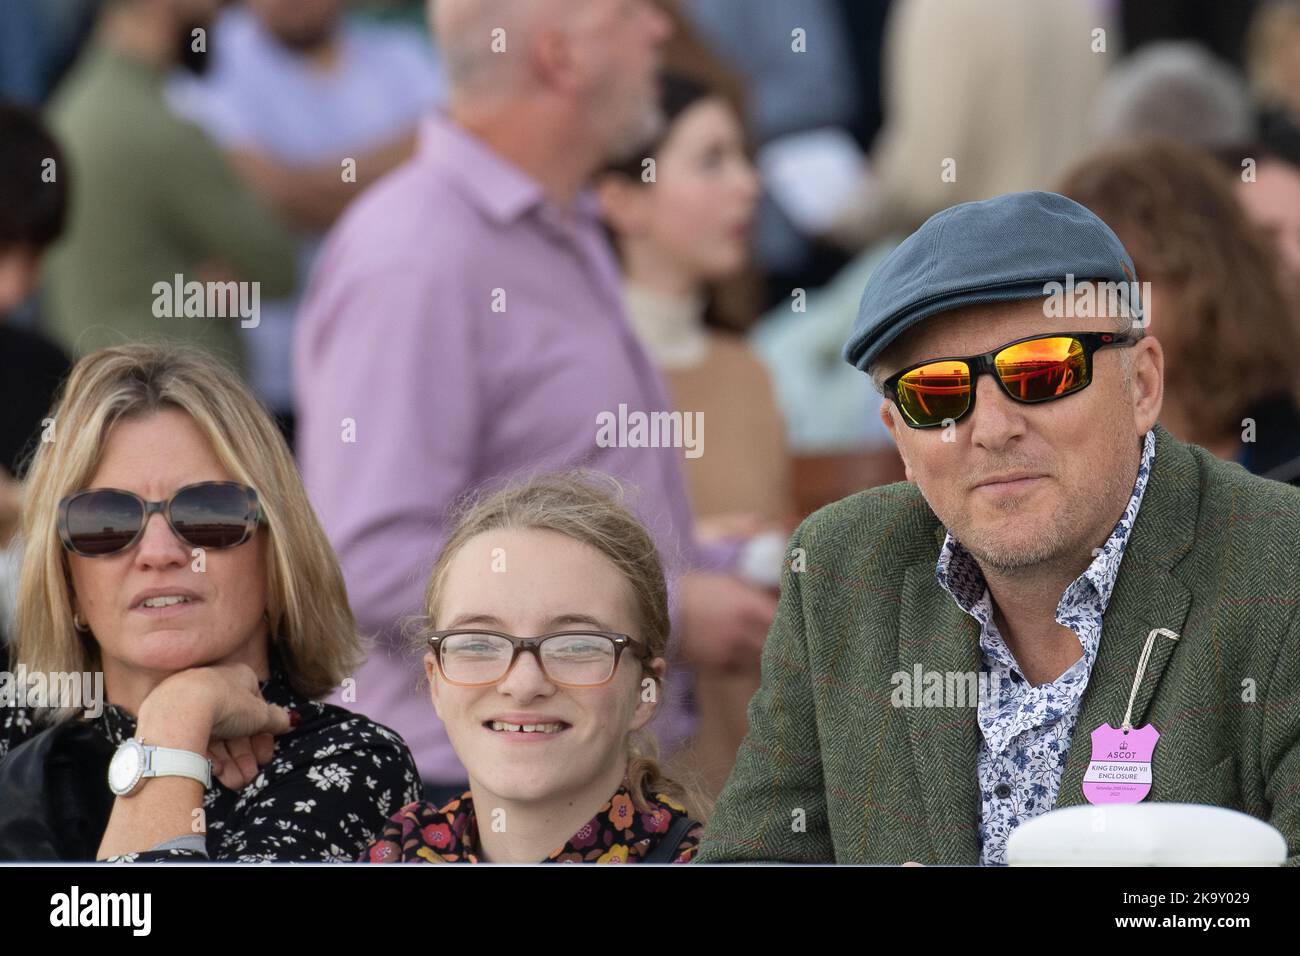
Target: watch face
125	767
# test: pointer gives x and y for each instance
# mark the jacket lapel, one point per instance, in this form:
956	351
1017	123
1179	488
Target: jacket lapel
936	635
1146	596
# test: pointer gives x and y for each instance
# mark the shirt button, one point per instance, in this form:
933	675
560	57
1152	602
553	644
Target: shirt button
1002	791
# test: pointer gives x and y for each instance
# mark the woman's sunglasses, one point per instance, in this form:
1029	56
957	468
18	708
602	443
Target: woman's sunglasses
211	515
1040	368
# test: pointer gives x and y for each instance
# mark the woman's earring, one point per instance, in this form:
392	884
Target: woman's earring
79	622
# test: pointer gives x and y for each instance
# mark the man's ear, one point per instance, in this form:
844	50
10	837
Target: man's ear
887	416
1148	388
554	61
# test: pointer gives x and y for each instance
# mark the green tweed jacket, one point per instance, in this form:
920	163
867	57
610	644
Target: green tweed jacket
831	771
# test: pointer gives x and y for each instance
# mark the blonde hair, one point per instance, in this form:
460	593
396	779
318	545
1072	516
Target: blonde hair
311	625
572	505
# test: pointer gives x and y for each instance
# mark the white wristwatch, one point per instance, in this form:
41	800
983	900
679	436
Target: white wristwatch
135	761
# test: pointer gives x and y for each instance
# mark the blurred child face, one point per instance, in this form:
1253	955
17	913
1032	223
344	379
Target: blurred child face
529	582
19	270
1273	202
696	217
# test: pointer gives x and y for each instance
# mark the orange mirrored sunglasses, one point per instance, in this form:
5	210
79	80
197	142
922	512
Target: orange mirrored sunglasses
1039	368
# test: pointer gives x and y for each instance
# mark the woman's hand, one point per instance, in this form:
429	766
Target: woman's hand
240	709
204	710
237	762
218	710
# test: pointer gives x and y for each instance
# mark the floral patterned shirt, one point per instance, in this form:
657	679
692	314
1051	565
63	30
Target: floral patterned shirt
618	833
332	782
1025	731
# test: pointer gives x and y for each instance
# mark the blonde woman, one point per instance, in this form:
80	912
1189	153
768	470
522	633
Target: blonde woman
546	627
170	545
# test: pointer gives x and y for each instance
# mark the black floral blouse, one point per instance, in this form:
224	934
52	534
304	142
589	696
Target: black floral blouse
618	833
332	782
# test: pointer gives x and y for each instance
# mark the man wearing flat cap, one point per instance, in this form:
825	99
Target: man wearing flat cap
1062	604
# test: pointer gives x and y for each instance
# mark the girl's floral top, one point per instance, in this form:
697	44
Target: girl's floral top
618	833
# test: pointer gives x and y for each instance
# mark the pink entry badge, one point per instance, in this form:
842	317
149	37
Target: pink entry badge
1120	769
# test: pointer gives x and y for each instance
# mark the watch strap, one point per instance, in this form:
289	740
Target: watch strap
170	762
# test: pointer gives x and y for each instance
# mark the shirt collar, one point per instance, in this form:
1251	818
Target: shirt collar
958	573
493	184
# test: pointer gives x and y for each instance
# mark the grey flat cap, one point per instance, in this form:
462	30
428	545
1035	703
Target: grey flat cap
997	250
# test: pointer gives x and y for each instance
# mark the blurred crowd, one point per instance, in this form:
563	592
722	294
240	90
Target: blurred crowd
451	262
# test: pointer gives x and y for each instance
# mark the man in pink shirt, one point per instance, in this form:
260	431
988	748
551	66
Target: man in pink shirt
465	324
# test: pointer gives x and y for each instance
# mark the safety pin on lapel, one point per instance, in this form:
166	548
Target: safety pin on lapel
1126	726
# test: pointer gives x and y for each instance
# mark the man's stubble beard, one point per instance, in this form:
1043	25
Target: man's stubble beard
1011	557
1057	542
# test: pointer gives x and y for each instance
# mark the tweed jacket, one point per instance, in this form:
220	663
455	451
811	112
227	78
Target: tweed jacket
832	771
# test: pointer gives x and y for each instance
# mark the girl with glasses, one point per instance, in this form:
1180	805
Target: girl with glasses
546	629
